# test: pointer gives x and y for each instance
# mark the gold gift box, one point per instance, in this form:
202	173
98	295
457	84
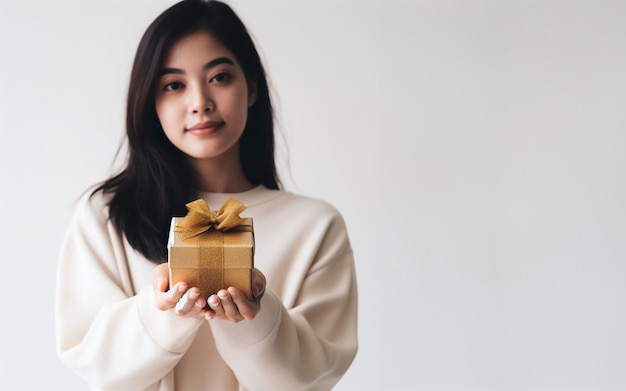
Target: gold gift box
214	259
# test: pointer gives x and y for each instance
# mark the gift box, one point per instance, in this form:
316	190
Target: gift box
212	250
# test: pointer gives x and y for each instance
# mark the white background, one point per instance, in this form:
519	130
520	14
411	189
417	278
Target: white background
477	150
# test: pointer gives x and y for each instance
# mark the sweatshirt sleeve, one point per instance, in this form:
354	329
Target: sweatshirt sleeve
112	338
310	345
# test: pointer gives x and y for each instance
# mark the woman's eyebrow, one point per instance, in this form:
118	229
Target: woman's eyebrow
206	67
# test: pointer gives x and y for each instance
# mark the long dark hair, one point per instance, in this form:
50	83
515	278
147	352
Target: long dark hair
158	181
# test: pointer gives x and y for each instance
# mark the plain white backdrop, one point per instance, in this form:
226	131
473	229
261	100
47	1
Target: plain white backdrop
476	148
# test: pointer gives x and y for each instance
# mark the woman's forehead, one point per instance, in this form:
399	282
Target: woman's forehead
199	47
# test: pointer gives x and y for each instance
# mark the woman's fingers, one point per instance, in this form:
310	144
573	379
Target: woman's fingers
223	306
187	302
166	300
216	305
258	283
230	308
232	305
247	309
160	278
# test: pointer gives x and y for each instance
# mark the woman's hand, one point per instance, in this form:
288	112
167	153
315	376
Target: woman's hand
186	303
231	304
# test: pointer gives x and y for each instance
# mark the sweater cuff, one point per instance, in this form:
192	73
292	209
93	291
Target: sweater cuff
249	332
168	330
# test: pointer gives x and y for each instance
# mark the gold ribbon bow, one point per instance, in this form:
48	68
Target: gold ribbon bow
200	218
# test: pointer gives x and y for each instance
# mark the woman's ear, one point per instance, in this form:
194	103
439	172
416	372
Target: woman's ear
252	92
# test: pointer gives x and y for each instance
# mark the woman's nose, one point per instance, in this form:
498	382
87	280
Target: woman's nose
200	100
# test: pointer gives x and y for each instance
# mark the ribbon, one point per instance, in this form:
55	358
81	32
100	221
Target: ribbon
211	262
200	218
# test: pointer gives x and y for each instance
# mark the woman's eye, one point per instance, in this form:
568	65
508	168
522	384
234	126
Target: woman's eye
173	86
220	78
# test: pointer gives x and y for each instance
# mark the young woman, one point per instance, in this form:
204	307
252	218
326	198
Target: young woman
200	125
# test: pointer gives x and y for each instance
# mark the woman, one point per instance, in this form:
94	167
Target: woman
200	125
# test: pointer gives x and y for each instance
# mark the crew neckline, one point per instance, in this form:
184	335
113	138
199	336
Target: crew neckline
255	196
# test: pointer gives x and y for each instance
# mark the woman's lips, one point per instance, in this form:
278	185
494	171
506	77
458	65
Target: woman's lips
205	128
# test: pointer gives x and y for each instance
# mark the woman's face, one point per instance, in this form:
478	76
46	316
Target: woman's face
202	98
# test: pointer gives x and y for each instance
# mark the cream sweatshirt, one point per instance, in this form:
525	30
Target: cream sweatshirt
304	338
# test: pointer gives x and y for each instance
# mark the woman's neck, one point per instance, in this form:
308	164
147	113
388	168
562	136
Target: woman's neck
220	175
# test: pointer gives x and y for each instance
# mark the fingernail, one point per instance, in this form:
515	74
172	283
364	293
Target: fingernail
257	290
193	295
181	288
222	294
